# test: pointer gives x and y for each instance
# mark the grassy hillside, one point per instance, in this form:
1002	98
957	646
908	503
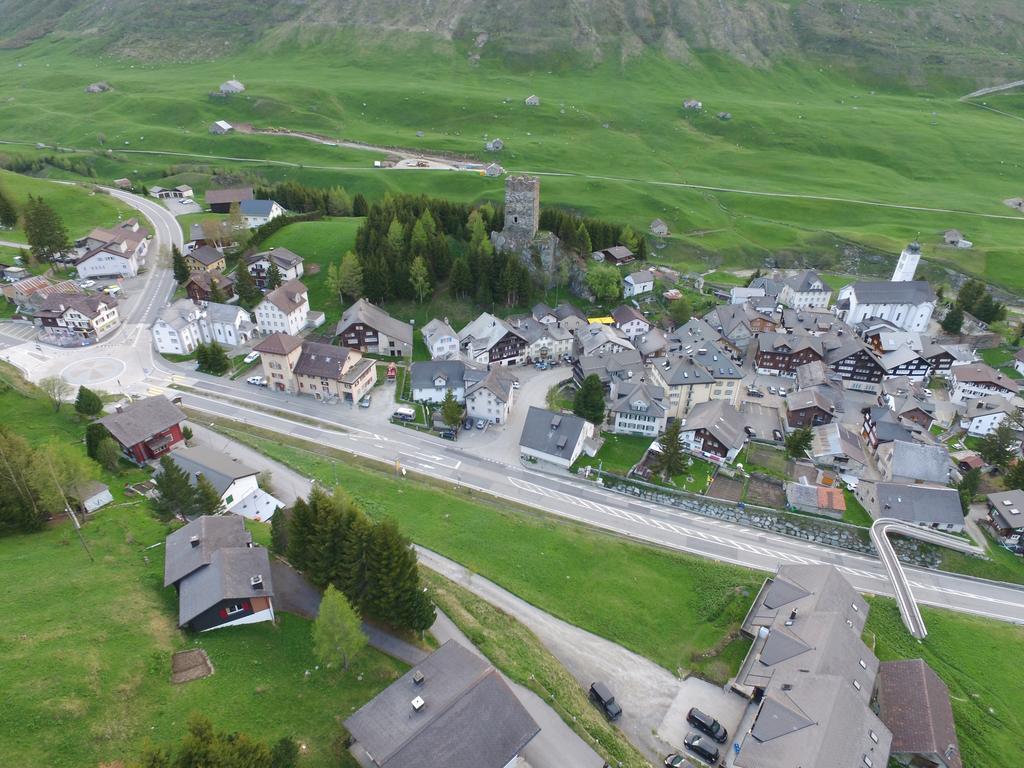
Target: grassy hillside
80	208
612	141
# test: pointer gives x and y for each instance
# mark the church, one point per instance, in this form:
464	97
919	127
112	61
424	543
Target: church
903	301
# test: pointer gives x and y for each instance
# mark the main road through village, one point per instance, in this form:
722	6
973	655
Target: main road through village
127	363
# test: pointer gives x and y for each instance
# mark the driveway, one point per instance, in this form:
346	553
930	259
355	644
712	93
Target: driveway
288	484
557	745
645	690
501	441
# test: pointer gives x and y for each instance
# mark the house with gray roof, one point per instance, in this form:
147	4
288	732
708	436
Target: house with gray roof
614	370
780	354
554	438
714	430
598	338
925	505
980	380
902	462
221	578
639	410
145	429
368	328
492	341
544	341
1006	512
805	290
490	397
236	482
256	213
290	266
834	446
451	710
441	340
914	704
630	321
812	675
431	379
638	283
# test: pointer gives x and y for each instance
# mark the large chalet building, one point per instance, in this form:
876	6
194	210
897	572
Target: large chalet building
146	429
369	328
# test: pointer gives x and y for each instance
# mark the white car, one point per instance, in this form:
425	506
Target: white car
252	357
258	381
86	283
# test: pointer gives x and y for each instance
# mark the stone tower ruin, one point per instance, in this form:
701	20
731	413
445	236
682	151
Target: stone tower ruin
522	209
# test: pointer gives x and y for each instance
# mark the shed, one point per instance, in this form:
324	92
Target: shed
692	104
220	127
90	495
533	100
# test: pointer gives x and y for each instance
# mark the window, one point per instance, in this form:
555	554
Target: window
863	665
856	684
235	608
874	736
229	500
867	761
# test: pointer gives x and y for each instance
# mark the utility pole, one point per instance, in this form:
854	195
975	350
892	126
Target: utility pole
71	512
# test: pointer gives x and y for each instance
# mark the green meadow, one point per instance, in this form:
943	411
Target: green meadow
612	141
81	209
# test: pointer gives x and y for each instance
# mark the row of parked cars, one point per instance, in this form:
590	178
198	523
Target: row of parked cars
701	742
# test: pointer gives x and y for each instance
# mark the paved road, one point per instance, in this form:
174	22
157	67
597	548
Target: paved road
584	502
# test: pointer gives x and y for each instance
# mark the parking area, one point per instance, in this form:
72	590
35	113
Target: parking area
181	205
727	707
763	422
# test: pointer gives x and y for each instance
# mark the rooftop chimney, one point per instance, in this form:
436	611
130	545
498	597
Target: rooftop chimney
257	581
194	541
418	704
418	678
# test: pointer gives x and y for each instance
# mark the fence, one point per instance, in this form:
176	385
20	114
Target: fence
818	530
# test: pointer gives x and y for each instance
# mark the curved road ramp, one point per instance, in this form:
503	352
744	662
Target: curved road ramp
880	531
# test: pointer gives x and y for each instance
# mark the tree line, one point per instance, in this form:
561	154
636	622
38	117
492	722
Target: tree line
35	165
331	539
588	235
299	198
203	747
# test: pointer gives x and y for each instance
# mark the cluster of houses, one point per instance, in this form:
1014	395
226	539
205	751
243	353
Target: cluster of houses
64	311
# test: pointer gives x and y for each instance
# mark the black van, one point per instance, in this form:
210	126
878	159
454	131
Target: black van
600	695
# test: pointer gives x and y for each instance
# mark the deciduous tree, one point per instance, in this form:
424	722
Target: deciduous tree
350	276
680	311
56	389
604	281
419	277
798	442
996	447
108	455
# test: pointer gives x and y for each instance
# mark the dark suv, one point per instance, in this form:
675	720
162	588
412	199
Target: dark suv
708	724
600	695
701	745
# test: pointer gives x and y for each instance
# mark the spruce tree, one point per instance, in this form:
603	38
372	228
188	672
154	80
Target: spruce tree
94	434
178	265
248	294
206	498
8	212
44	230
216	295
202	353
451	410
354	579
672	460
461	282
953	321
382	571
279	525
589	400
273	277
175	496
583	244
88	403
359	205
350	276
301	534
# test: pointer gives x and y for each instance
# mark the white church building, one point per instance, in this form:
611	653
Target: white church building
903	301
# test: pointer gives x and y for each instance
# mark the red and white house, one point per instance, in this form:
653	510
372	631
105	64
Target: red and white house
146	429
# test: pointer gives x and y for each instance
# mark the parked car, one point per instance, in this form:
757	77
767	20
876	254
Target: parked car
782	391
447	434
86	283
480	423
468	424
675	760
777	434
252	357
772	391
754	392
708	724
702	746
258	381
365	402
600	695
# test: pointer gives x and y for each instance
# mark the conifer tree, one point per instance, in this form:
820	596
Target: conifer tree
206	498
8	212
88	403
175	496
178	265
273	277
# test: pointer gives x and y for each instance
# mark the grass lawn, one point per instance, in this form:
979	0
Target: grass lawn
1001	358
79	208
560	397
519	654
697	477
979	660
619	454
669	607
855	513
1002	565
87	645
320	243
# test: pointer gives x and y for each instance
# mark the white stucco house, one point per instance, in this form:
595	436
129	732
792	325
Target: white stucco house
184	325
256	213
441	339
490	398
284	310
806	290
983	416
553	438
111	260
978	380
237	483
637	283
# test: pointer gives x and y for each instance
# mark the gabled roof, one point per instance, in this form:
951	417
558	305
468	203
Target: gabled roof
806	281
323	361
554	434
469	718
898	292
624	313
913	702
720	419
288	297
278	344
898	357
915	461
541	310
142	419
979	373
836	440
90	306
217	467
495	382
423	373
228	195
256	207
435	330
643	276
228	576
281	256
596	335
484	332
368	314
779	343
206	280
650	397
212	533
206	255
1008	507
919	503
